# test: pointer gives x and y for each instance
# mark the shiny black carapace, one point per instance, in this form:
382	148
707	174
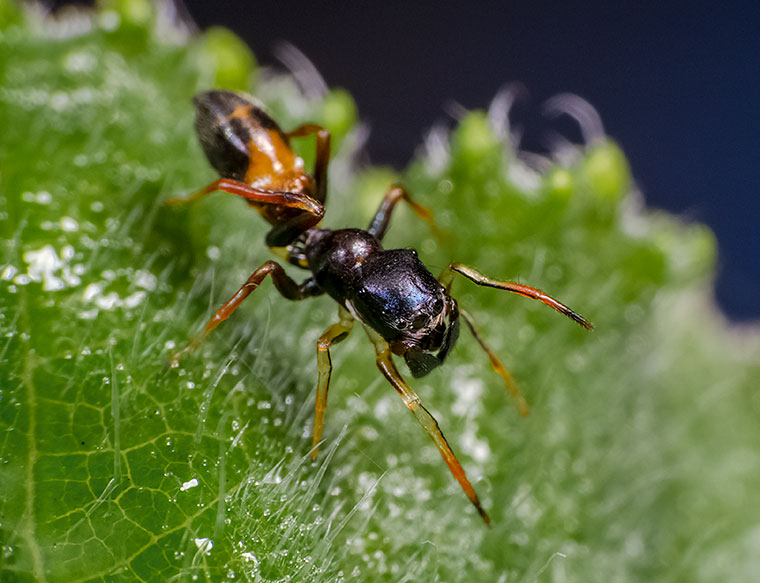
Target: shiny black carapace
404	309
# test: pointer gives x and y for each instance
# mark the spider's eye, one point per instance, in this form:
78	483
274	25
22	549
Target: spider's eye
419	322
438	306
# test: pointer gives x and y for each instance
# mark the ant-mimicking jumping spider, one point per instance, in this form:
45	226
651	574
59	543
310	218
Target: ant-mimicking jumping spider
404	309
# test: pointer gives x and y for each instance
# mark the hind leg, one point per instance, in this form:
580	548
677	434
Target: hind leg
284	284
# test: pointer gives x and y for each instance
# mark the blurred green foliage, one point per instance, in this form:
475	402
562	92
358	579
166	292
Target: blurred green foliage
639	460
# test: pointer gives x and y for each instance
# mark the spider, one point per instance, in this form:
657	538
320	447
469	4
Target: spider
403	308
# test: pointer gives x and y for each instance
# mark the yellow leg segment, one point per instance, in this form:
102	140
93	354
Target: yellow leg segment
334	334
509	381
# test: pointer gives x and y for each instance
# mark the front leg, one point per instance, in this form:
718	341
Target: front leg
424	418
533	293
446	278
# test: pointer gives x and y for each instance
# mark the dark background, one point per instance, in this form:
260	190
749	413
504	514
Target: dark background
676	84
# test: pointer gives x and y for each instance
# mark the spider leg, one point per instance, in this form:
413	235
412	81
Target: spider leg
509	381
322	158
379	224
424	418
284	284
286	199
529	292
334	334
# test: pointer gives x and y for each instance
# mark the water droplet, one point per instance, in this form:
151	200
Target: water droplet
69	225
145	280
8	272
109	20
59	101
79	62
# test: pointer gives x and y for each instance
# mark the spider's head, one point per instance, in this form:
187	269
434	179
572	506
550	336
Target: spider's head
400	299
431	335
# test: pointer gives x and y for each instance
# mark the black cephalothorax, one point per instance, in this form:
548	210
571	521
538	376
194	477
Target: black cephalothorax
405	310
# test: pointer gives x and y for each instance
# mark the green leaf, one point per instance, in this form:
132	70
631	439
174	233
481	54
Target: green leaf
637	462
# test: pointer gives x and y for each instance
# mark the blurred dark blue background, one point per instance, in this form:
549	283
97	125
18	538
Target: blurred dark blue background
677	84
